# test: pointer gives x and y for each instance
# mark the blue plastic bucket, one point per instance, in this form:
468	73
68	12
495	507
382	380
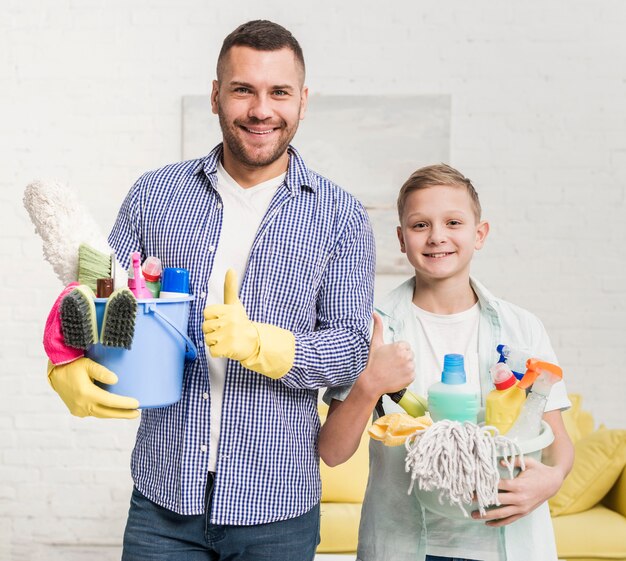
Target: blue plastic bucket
152	370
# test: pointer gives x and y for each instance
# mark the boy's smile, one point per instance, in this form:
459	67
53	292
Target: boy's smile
439	232
438	255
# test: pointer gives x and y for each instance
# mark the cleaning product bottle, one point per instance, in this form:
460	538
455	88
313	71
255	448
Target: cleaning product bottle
174	283
453	398
137	283
503	404
415	405
542	376
152	270
514	358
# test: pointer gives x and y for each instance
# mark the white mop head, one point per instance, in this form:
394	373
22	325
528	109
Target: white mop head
63	224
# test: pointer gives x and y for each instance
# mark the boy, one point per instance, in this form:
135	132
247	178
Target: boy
443	310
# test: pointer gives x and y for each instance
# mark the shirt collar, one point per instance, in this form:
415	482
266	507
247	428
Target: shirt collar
298	175
403	294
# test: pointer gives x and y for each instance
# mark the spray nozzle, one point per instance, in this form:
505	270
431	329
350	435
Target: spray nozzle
152	269
503	351
541	376
502	376
514	358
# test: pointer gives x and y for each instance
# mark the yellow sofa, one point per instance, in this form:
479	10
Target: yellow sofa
589	513
343	488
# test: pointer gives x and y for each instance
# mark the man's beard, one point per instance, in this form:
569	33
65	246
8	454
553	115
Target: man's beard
241	151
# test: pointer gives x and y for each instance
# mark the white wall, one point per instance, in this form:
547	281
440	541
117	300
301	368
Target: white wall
90	93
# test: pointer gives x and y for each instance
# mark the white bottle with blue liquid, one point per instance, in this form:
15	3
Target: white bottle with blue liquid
453	398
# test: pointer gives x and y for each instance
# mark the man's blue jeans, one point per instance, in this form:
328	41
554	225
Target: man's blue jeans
154	533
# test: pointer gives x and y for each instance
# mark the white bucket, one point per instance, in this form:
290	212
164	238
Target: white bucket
531	448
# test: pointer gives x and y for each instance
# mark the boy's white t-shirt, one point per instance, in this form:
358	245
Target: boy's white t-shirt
243	211
440	335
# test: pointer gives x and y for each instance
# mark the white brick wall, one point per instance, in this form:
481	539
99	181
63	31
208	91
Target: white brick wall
90	93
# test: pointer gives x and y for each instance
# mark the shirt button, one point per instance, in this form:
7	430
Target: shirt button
205	395
203	448
203	294
219	205
211	248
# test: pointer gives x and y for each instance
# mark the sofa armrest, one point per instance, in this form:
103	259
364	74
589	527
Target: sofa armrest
616	497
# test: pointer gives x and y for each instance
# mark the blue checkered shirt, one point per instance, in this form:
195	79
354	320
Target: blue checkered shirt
311	271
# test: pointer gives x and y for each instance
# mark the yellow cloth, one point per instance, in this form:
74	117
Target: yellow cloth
264	348
74	382
393	429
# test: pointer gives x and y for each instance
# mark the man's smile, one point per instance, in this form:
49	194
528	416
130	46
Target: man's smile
258	131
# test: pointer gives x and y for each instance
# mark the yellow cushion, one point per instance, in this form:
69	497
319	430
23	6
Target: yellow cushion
598	462
616	497
346	483
570	417
598	533
578	423
339	527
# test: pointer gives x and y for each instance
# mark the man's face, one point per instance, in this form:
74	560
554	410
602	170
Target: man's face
439	232
260	100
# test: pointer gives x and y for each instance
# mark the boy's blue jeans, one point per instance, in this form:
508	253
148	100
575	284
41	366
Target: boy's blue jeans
154	533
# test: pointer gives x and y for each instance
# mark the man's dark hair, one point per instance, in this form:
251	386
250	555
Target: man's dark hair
262	35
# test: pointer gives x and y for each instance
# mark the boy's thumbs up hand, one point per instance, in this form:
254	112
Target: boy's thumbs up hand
229	333
227	330
390	367
377	333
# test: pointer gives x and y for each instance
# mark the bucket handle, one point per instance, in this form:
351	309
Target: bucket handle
191	352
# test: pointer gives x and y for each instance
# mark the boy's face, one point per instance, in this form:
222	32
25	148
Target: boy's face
439	232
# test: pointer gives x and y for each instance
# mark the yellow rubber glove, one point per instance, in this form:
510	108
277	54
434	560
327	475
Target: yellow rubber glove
264	348
393	429
74	382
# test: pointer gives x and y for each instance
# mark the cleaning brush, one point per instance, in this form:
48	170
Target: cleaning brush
118	325
63	224
78	318
92	265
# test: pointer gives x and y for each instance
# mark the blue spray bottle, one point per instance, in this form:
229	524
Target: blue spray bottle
514	358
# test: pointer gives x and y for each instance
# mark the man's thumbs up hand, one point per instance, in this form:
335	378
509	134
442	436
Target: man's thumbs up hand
229	333
231	288
390	367
227	330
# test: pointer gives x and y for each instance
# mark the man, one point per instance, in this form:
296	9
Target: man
281	264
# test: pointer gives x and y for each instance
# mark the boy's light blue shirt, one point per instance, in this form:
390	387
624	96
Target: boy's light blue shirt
392	522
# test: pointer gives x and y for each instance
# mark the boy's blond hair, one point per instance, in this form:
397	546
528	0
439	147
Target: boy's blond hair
438	174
